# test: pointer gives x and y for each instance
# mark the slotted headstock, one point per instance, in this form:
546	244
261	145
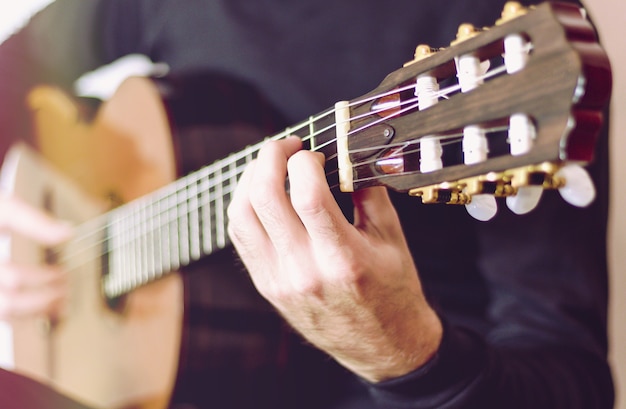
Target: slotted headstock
501	110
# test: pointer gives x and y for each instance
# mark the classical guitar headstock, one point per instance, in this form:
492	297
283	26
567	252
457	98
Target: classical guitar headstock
505	111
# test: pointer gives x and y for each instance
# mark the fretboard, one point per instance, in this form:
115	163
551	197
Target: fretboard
186	220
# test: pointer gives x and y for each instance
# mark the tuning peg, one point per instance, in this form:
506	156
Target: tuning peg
525	200
511	10
427	93
465	32
421	51
482	207
578	189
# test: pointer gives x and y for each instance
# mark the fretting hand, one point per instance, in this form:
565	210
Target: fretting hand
350	289
28	290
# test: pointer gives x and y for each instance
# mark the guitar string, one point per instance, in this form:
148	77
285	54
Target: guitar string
158	268
253	149
289	131
86	230
448	139
207	199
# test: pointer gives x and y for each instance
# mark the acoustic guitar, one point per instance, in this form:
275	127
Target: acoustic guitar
517	106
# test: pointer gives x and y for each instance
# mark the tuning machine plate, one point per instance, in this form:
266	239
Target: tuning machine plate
497	184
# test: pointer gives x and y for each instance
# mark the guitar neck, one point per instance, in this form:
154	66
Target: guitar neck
180	223
432	129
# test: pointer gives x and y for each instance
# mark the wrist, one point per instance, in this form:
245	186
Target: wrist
404	351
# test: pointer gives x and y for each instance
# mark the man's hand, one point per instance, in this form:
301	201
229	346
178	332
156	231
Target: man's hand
351	290
28	290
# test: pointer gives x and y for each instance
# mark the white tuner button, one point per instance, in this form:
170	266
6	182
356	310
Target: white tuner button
525	200
482	207
579	189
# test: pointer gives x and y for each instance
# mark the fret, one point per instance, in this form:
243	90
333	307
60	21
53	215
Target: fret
249	157
149	273
234	169
115	262
112	262
134	267
172	221
325	135
155	254
117	233
155	229
153	241
164	235
316	133
312	136
219	210
144	256
123	246
194	221
300	130
207	219
132	253
212	201
183	226
139	252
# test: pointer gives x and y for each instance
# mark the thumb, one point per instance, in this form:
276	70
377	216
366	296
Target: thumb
374	213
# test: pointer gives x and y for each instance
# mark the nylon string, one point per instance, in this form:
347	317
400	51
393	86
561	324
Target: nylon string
88	238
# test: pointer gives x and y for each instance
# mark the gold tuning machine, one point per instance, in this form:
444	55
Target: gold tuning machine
497	184
422	51
543	174
511	10
465	32
462	191
447	193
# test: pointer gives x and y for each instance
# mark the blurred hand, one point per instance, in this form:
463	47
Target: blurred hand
31	289
350	289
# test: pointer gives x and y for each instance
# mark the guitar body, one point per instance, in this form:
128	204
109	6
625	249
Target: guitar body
123	357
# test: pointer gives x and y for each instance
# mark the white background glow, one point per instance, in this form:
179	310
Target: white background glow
15	13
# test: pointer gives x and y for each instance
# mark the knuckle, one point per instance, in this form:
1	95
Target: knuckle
353	274
264	191
306	288
239	235
303	283
260	199
233	215
273	292
269	150
306	203
291	292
